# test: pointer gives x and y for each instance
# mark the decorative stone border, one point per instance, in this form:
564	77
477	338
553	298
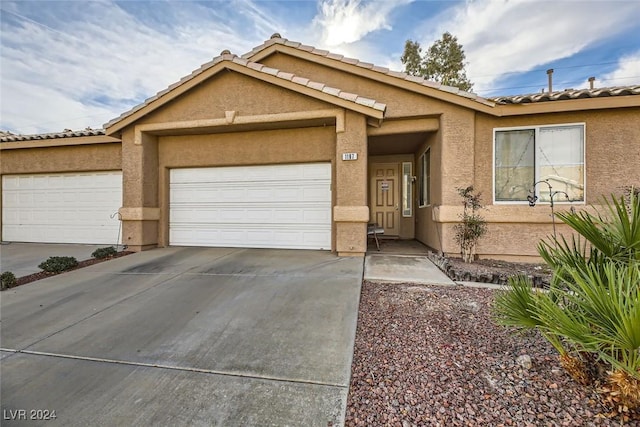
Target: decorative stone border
459	275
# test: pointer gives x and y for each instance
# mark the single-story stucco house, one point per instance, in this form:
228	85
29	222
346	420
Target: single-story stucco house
289	146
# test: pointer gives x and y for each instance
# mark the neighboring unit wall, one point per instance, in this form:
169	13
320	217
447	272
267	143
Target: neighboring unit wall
77	158
23	159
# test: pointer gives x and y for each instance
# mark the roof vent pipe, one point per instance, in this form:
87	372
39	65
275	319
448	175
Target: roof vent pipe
591	81
550	74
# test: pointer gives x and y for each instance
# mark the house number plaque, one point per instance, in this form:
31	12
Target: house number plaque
349	156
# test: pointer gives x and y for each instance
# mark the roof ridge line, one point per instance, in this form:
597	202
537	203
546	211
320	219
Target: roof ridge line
277	39
568	94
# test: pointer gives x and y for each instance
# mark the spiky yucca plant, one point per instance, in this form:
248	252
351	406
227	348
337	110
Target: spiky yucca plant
591	312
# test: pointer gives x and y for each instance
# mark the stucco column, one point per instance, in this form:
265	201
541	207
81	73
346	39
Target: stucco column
140	212
351	212
457	134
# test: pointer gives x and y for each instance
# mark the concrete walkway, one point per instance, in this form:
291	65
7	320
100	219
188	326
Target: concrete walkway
185	336
403	269
23	259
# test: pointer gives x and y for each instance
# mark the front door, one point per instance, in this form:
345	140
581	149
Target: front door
384	197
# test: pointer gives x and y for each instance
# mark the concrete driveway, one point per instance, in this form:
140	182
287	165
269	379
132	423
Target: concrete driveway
184	336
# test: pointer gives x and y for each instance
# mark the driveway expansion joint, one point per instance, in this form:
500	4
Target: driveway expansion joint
95	313
174	368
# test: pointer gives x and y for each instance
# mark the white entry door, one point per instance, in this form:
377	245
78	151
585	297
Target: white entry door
275	206
61	207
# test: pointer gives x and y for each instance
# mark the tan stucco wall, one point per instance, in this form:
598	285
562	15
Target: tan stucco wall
351	187
426	229
95	157
613	135
399	102
612	160
231	91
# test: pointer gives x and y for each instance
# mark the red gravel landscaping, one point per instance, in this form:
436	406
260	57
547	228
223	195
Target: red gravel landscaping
431	356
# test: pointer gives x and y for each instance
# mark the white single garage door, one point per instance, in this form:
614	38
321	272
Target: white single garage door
61	208
276	206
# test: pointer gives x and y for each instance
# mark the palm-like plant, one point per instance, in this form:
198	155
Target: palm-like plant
591	312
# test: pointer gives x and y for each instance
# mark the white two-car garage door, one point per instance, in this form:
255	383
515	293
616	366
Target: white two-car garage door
62	207
276	206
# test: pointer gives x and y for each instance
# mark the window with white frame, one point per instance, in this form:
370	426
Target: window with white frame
424	181
524	156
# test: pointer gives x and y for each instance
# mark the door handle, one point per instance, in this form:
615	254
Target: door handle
396	207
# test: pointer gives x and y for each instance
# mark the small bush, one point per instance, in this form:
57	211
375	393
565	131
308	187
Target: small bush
473	226
58	264
7	280
101	253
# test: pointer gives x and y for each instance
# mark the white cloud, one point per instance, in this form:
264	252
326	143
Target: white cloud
54	110
502	36
105	60
627	73
348	21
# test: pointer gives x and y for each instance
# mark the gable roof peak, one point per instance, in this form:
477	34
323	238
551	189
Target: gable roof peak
243	63
277	39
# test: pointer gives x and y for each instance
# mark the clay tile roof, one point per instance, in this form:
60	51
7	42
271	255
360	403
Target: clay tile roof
320	87
67	133
366	65
569	94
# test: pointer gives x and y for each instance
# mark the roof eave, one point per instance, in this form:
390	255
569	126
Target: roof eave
600	103
57	142
482	105
376	110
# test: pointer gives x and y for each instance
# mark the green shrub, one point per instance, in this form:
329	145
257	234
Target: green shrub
58	264
472	226
591	312
7	280
101	253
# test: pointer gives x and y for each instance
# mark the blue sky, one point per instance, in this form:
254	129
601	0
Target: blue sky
78	64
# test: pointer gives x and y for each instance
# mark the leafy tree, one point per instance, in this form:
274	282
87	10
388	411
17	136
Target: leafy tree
443	62
412	58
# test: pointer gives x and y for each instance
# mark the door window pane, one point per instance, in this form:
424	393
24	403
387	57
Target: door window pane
424	198
407	185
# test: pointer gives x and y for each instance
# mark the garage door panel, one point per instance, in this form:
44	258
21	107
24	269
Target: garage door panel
278	206
293	215
61	208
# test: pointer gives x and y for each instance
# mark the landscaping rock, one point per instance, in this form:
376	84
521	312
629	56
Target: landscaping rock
423	359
